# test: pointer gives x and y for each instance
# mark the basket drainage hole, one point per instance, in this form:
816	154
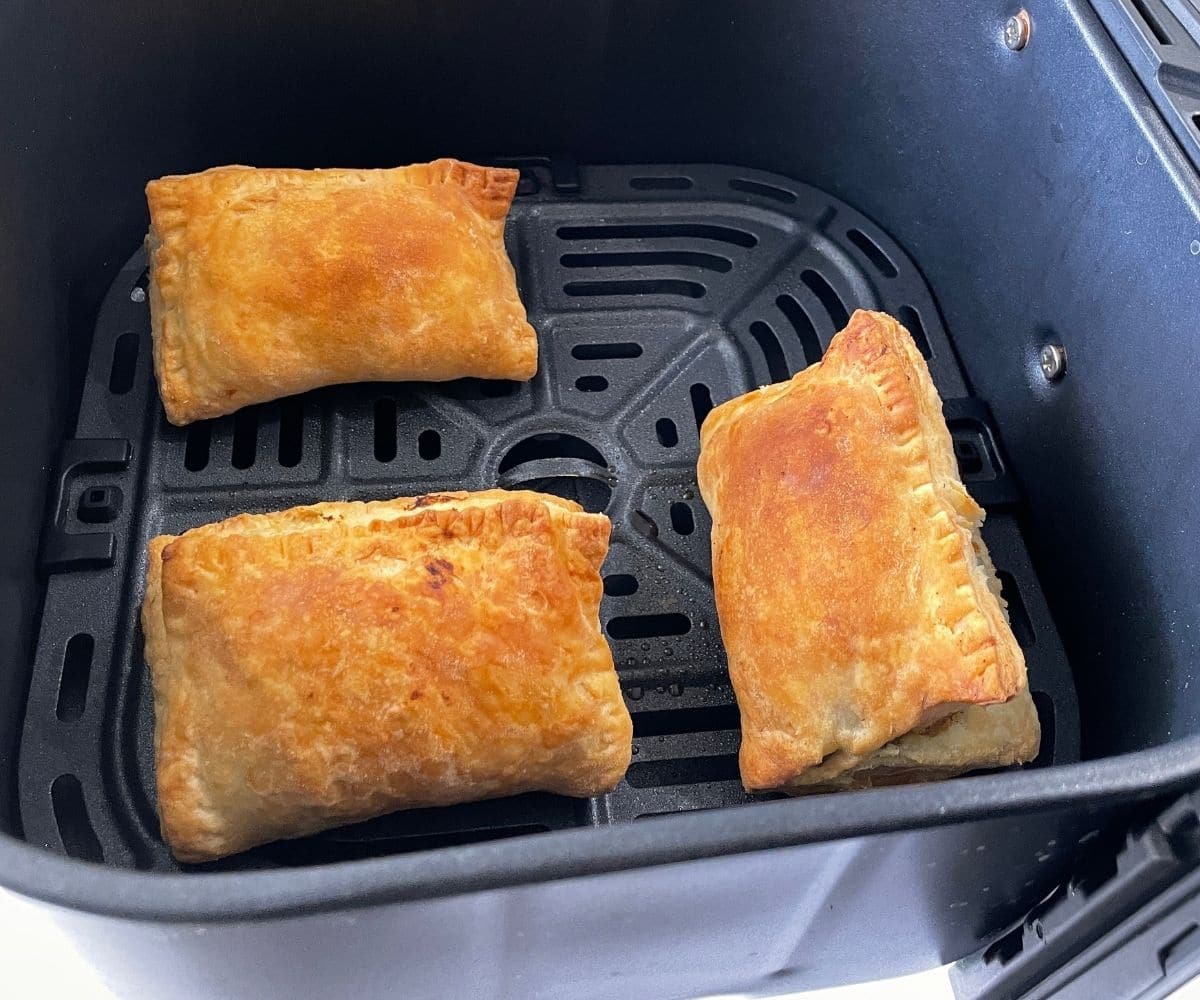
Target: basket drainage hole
606	352
660	231
76	671
873	252
768	343
667	432
649	626
385	430
591	383
429	445
620	585
682	519
637	286
1018	617
806	333
683	771
912	323
196	447
71	818
819	285
702	403
245	439
124	364
291	432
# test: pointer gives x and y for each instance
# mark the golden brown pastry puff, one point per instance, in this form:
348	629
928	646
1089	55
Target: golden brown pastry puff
326	664
268	282
856	600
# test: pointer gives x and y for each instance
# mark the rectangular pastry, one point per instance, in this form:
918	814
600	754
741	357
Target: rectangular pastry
855	596
267	282
326	664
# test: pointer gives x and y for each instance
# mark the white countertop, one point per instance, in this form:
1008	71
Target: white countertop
38	959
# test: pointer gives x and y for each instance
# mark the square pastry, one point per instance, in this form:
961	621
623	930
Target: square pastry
268	282
326	664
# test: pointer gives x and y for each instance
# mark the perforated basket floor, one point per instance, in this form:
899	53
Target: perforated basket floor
657	293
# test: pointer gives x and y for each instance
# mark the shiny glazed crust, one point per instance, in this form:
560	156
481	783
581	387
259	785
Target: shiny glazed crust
326	664
267	282
855	599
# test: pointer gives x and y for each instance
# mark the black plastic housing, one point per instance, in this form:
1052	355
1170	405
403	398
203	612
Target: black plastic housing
1040	196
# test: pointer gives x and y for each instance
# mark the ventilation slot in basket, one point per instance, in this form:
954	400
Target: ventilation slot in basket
385	430
606	352
429	445
683	771
636	286
71	817
682	519
649	626
823	290
702	403
661	231
911	319
76	671
245	439
678	721
873	252
291	432
197	443
666	432
765	337
620	585
650	258
1018	617
806	333
124	364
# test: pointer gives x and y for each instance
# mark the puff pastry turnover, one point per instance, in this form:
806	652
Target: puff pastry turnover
326	664
856	599
268	282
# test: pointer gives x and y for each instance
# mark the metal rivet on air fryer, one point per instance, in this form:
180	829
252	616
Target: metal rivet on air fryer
1053	361
1016	30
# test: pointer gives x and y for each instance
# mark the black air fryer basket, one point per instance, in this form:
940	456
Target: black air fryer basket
707	191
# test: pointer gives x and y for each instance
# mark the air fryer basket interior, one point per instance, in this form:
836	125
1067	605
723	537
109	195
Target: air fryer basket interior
1011	216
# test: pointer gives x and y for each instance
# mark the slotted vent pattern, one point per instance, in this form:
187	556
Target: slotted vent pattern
658	294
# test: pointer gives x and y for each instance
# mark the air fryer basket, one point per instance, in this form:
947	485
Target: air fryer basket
657	292
898	157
